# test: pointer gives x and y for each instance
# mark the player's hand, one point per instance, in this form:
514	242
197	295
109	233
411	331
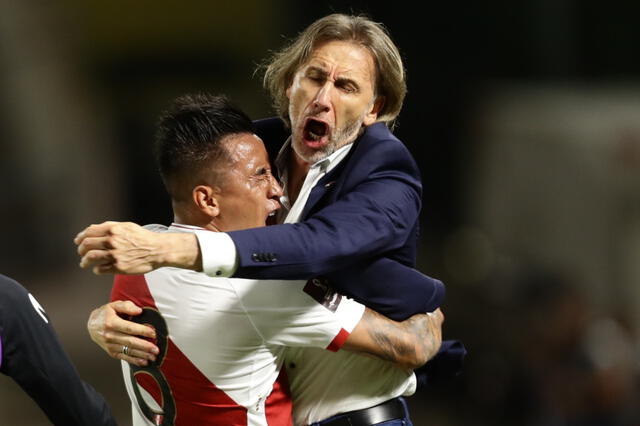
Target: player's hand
112	333
433	332
428	330
128	248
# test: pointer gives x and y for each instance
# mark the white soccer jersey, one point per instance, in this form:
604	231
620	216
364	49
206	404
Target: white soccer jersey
226	339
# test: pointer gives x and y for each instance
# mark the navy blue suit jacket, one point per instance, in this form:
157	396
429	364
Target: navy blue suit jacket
359	228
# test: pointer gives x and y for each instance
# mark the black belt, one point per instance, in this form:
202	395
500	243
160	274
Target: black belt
390	410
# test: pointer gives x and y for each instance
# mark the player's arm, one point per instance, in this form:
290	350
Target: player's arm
314	315
410	343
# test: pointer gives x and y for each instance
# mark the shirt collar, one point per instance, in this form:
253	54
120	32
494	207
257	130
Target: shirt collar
325	164
283	156
181	227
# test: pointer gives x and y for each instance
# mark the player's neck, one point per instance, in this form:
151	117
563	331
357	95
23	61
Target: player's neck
199	220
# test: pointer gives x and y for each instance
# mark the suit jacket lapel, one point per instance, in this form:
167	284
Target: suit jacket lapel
327	186
317	193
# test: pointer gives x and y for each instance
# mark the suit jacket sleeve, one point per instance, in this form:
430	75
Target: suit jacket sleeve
378	206
389	288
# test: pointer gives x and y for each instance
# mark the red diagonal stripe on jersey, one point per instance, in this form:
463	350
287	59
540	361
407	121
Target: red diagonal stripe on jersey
198	401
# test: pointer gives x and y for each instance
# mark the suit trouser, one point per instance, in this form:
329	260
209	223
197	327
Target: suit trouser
31	354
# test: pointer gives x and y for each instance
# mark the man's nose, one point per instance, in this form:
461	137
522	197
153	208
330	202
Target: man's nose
323	98
275	190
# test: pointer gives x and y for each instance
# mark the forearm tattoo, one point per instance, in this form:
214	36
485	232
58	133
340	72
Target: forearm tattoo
391	338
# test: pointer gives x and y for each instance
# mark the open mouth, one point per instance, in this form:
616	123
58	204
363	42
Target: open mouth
275	206
315	130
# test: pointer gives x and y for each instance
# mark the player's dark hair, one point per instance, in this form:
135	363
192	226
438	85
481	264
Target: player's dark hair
188	140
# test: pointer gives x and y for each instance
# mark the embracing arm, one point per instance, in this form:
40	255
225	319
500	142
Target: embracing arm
409	344
376	213
128	248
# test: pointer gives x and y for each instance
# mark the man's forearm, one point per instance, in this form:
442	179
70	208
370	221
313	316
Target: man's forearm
409	344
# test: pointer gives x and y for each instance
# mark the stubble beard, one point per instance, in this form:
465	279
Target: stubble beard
337	139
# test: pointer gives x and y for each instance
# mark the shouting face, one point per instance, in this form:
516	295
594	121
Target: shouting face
249	193
331	98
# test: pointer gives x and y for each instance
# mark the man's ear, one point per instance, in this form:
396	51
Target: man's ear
372	115
206	200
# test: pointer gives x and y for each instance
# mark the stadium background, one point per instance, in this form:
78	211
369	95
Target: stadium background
524	118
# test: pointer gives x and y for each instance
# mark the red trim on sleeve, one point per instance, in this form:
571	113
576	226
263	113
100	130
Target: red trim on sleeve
338	341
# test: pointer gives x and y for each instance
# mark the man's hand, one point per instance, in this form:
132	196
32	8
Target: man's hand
127	248
112	333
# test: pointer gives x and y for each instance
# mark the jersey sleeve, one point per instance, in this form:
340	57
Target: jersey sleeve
299	313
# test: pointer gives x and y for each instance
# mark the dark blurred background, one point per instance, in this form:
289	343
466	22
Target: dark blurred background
524	118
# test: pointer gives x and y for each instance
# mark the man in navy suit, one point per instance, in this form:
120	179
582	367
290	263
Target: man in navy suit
352	190
338	88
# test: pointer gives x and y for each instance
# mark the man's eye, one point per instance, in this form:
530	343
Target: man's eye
347	87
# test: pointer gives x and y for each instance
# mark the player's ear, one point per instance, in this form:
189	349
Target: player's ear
205	198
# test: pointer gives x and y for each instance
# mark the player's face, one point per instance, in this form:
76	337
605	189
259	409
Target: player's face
249	192
331	98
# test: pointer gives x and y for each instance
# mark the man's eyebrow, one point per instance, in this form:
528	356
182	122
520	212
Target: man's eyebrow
347	80
313	69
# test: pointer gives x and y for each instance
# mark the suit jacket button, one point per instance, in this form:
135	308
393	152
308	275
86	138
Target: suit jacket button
255	257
